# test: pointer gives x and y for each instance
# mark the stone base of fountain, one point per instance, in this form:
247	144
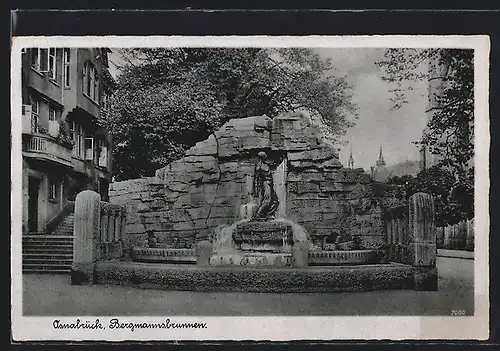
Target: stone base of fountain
353	257
257	259
256	236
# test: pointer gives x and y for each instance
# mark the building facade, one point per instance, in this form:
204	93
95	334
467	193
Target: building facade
65	94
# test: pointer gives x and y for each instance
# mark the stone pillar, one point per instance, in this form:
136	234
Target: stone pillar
390	239
111	226
399	229
439	237
422	241
300	254
126	250
203	253
104	224
404	239
447	237
86	237
118	226
462	235
469	243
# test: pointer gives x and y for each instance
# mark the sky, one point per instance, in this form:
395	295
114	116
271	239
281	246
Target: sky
377	124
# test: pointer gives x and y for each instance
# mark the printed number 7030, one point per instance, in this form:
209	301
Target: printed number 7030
458	312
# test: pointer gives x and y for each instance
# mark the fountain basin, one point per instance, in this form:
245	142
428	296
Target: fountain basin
258	259
163	255
338	257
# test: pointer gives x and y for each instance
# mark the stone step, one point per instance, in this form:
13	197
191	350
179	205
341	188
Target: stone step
51	241
64	228
49	256
50	251
45	244
33	268
46	237
52	271
47	266
47	261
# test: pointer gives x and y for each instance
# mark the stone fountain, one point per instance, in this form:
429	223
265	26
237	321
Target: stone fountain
265	205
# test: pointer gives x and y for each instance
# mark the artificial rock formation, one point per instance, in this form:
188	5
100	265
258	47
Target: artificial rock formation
212	186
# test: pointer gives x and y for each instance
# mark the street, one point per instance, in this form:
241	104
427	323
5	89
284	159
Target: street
52	295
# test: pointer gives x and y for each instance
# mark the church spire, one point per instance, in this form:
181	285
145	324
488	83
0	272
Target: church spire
380	161
350	163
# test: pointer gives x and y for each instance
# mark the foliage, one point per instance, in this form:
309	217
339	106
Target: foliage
169	99
64	136
41	129
450	126
453	199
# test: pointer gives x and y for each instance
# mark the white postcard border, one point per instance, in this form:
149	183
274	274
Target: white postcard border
269	328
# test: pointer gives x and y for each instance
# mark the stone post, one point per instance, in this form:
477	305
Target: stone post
111	226
447	237
300	254
469	244
126	250
203	252
405	239
440	237
104	224
118	226
399	231
390	238
86	237
462	235
422	241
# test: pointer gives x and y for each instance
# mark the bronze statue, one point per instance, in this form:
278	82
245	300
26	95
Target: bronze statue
263	187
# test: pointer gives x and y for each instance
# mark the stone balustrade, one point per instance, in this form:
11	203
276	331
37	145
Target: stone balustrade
397	229
459	236
411	238
98	233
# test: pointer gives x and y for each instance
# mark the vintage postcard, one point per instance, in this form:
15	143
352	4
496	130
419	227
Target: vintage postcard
250	188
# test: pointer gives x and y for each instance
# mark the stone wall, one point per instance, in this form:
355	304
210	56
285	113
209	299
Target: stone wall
188	198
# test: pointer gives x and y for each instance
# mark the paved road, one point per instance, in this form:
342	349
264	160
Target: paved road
46	295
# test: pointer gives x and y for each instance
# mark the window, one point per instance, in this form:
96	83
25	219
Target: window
52	190
103	154
53	123
95	95
90	81
52	114
89	149
76	130
40	59
35	115
52	63
67	67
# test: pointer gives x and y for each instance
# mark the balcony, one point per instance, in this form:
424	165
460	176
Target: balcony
45	148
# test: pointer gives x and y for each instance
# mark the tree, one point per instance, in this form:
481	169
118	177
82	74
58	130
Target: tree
452	203
168	99
450	126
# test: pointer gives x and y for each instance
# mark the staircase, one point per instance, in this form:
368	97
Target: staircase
50	253
65	228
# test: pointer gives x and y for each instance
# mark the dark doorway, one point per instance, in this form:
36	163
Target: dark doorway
33	187
104	189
